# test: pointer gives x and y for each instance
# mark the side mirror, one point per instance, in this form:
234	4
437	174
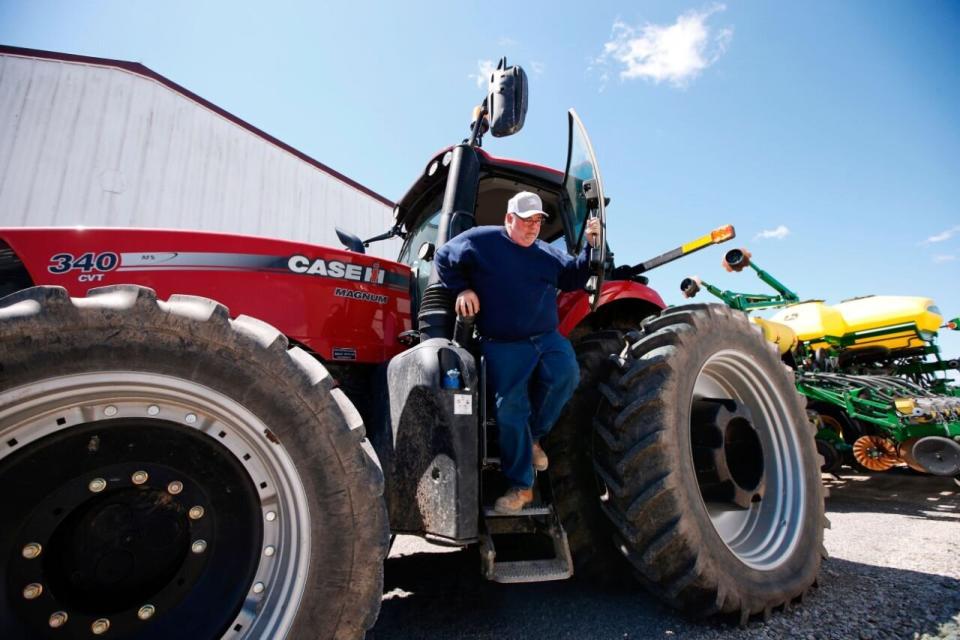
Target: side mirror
507	99
350	241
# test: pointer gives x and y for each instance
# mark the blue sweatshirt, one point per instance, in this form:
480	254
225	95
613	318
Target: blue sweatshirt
517	286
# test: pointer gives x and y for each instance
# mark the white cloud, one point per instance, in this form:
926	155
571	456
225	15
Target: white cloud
537	67
941	259
943	235
674	53
484	69
779	233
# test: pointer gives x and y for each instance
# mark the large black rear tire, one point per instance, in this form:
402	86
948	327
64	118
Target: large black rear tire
171	472
711	472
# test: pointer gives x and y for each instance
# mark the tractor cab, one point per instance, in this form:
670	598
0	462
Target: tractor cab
420	210
488	182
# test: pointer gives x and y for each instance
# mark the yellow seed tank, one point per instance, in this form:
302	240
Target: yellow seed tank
870	321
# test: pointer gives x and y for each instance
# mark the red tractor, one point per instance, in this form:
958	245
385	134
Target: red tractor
209	435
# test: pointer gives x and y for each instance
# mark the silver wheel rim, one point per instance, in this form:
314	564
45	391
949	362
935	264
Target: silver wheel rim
35	410
765	535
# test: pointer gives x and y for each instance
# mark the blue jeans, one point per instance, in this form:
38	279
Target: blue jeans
532	379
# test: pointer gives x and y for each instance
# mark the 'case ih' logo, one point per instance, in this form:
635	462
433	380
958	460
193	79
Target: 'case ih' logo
335	269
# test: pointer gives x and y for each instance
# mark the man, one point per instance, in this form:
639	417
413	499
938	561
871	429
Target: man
531	368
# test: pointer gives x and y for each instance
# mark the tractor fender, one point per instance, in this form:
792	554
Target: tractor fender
574	307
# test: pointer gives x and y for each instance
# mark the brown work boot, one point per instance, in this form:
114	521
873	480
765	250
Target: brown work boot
540	461
513	500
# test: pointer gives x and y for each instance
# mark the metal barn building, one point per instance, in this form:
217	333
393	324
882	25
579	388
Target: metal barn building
98	142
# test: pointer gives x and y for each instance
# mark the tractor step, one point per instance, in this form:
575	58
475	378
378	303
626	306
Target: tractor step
530	571
491	463
490	512
533	522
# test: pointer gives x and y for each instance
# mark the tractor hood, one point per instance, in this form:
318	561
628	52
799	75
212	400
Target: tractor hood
339	304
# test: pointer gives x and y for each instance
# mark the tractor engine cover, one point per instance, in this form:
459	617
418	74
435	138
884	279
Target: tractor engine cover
432	469
938	455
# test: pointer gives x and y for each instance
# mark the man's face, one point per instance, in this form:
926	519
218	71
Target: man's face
523	231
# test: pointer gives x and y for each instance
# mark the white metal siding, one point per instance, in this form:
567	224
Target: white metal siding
83	144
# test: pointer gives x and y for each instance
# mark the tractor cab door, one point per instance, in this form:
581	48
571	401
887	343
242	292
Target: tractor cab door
584	192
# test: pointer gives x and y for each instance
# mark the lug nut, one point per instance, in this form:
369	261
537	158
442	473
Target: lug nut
100	626
271	516
199	546
196	512
57	619
153	410
139	477
32	590
175	487
191	418
32	550
258	588
146	612
97	485
110	410
269	551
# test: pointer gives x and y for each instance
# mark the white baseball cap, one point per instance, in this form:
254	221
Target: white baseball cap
526	205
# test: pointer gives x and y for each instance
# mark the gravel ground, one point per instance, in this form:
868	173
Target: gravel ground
893	572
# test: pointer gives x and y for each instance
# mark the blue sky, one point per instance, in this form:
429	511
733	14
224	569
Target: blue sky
828	133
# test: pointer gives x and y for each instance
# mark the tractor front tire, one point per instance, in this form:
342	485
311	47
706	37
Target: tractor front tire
711	475
170	472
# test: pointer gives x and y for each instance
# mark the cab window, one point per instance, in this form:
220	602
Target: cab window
424	232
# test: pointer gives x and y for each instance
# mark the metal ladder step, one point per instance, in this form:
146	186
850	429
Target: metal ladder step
532	571
490	512
542	520
491	463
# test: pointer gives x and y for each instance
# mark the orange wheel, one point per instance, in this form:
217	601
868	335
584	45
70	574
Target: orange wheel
875	452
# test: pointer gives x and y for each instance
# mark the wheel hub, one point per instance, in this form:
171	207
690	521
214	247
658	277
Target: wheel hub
727	452
119	549
104	547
